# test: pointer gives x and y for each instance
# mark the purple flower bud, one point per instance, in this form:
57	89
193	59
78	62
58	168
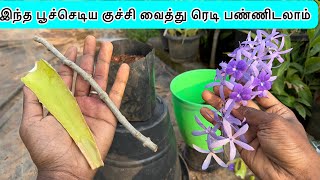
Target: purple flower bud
231	167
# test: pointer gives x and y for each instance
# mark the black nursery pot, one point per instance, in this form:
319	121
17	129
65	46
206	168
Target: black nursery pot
138	101
128	159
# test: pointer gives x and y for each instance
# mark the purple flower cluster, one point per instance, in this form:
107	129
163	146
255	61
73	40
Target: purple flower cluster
248	75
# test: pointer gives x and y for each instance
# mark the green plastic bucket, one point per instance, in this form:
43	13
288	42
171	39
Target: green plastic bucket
186	90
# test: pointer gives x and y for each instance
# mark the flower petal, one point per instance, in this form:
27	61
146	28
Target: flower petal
282	43
238	57
199	149
238	74
220	143
244	145
280	59
246	53
213	84
216	116
241	131
233	120
229	102
229	85
261	48
286	51
233	151
198	133
227	128
219	161
215	128
206	162
223	65
272	78
199	122
230	107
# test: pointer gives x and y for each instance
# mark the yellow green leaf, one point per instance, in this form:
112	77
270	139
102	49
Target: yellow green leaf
52	92
240	168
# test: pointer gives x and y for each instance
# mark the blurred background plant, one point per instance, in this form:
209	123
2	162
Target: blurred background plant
183	32
141	34
297	79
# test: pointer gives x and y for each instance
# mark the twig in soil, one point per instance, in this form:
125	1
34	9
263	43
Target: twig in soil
102	94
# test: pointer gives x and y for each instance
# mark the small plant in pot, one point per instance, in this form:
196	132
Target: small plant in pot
183	44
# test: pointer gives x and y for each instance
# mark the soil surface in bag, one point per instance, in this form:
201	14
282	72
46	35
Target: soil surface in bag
124	58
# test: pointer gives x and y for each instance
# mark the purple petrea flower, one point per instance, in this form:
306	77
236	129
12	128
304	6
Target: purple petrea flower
236	68
201	132
206	130
232	120
232	139
263	82
220	76
211	153
240	93
249	75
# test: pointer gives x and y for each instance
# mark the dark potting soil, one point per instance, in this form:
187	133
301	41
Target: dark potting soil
124	58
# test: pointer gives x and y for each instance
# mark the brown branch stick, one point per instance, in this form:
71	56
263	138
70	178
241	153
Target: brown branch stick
102	94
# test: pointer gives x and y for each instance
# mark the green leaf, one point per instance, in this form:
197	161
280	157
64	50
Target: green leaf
190	32
297	66
315	41
296	54
315	49
310	33
278	86
287	45
287	100
314	84
305	102
279	71
53	93
316	32
296	81
172	32
301	110
306	94
314	36
308	112
240	168
291	72
312	65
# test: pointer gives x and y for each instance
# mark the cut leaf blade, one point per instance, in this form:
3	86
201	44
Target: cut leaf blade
52	92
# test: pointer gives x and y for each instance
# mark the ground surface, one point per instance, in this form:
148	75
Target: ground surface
17	55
